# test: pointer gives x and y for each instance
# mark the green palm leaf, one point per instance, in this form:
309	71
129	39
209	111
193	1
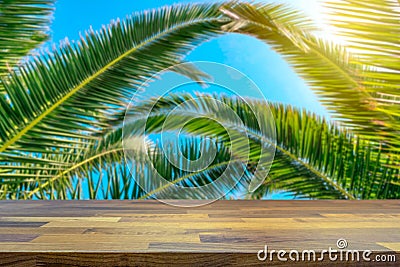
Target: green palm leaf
376	39
372	30
23	27
314	150
314	158
104	174
345	83
56	103
60	113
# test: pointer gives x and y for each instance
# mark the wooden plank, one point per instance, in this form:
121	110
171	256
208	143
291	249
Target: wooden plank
142	217
17	237
165	231
122	238
395	246
156	259
99	247
120	233
42	230
17	224
58	219
307	223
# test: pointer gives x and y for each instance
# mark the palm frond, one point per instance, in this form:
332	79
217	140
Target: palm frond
24	25
58	102
314	158
372	30
61	113
106	174
296	180
344	164
342	80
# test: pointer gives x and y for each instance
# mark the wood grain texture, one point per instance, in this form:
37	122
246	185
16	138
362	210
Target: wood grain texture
142	233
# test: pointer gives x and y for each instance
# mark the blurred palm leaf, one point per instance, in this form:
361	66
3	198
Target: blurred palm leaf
376	40
60	113
372	30
314	158
356	93
105	174
56	103
23	27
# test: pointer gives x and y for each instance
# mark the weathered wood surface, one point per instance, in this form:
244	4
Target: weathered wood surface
121	233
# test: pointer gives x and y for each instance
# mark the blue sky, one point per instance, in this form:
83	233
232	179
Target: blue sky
268	70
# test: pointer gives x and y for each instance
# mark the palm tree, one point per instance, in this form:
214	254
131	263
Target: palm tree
61	113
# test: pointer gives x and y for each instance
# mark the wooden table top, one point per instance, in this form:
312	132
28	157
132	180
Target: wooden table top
65	228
